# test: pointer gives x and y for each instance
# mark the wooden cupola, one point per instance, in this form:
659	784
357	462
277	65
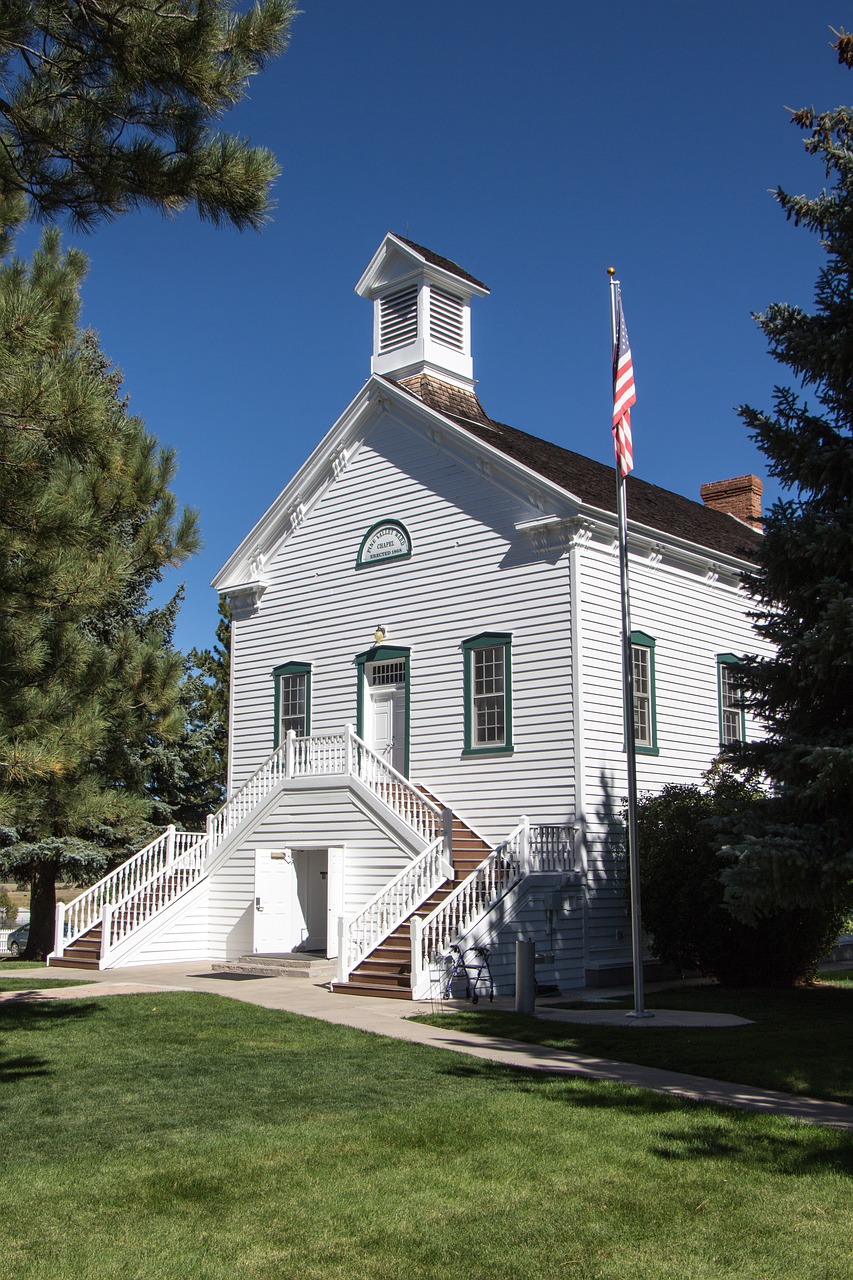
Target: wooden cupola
421	313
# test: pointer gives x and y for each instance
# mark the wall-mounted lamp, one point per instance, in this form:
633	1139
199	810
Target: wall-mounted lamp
380	633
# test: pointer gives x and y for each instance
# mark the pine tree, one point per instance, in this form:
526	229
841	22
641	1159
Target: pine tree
110	105
88	524
214	667
796	846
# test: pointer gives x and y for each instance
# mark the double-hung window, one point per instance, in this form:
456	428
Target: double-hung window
488	693
292	700
730	695
645	711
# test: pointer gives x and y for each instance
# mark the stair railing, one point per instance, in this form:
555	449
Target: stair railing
296	757
393	788
122	918
323	755
527	848
387	909
78	916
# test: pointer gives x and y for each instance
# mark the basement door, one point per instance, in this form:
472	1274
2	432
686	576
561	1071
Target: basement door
298	895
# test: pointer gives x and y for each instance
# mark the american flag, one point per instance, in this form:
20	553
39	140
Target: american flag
624	392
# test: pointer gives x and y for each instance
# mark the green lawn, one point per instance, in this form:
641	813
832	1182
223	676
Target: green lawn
800	1041
166	1136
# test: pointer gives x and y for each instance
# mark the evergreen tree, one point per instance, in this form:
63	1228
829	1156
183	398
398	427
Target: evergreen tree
184	774
214	668
112	104
795	847
88	524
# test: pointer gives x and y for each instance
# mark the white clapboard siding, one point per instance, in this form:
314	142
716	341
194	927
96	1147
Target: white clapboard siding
471	571
692	619
177	934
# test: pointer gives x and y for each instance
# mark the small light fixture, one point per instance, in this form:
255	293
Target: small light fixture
380	633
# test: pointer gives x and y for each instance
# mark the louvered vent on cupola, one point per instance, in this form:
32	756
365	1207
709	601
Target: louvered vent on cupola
422	313
446	319
398	319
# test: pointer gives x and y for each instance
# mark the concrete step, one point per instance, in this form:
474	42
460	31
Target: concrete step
281	964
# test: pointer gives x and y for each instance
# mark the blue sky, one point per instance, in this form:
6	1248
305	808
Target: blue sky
533	144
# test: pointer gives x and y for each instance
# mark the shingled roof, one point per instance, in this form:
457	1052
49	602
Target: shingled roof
445	263
591	481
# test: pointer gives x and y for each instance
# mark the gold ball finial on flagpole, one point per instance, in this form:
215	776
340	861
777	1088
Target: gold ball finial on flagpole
611	271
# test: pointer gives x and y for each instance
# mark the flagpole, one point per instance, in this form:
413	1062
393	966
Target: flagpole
639	1010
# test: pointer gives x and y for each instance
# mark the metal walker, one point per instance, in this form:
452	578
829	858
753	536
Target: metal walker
477	972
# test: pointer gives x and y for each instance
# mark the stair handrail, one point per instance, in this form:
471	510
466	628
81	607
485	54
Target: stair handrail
84	911
527	848
393	788
294	757
256	788
323	754
388	908
123	917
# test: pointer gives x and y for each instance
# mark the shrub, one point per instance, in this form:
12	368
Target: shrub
682	895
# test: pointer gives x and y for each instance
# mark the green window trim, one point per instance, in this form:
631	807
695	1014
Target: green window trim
482	645
727	709
646	697
361	563
279	674
383	653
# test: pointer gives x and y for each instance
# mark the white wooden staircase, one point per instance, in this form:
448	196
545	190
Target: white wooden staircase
96	929
387	969
393	945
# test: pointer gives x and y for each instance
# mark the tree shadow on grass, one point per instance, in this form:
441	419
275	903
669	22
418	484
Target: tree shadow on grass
700	1131
13	1070
25	1016
42	1014
822	1149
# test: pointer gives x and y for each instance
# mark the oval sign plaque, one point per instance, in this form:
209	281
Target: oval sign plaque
387	540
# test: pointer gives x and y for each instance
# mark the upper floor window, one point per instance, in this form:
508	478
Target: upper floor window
645	711
730	692
292	700
488	693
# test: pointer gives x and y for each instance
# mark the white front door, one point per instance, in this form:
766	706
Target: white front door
292	900
386	711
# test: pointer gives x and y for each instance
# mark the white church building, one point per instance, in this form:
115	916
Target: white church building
426	732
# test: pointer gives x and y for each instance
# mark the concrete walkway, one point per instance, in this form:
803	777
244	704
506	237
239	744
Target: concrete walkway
393	1018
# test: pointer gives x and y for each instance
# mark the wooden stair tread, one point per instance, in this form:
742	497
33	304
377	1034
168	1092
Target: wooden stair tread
380	972
369	989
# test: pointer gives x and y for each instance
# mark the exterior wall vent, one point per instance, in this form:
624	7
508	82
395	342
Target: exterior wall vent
398	319
446	321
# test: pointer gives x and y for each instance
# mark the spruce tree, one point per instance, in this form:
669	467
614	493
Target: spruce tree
88	523
795	847
110	105
214	668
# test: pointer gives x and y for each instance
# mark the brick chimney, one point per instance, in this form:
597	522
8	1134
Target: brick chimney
740	497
